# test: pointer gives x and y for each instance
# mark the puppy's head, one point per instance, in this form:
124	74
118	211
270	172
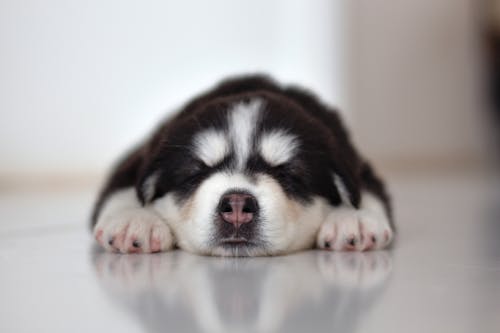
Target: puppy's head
244	175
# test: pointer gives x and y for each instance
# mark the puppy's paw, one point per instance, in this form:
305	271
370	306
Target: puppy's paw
135	230
349	229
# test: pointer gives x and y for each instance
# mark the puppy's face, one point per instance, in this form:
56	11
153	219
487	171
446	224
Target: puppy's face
242	177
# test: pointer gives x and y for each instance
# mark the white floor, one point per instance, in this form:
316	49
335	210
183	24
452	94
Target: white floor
442	276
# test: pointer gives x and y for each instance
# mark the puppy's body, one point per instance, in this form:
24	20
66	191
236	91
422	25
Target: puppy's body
249	168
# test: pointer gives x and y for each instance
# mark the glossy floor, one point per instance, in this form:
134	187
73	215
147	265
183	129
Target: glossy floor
442	276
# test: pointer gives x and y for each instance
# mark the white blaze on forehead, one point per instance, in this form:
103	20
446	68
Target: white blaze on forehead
243	119
211	146
278	147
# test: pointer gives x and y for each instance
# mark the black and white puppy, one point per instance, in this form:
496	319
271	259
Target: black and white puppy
249	168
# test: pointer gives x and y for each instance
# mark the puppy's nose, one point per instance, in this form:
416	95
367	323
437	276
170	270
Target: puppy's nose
238	208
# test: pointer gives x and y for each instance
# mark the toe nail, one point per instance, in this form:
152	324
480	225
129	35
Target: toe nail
111	240
327	245
351	241
374	239
136	244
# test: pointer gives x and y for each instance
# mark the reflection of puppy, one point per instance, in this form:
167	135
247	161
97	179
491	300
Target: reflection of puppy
188	293
249	168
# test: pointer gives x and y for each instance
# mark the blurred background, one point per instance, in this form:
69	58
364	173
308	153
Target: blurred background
417	82
82	81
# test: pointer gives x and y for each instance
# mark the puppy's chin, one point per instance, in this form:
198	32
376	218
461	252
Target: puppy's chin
240	251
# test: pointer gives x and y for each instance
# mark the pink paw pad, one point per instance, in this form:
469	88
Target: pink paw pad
370	241
350	243
386	236
98	235
155	245
135	245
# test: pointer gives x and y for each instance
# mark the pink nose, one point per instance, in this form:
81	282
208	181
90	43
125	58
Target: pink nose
238	208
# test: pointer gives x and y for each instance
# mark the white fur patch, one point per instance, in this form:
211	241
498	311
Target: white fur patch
285	225
243	119
341	188
148	187
193	222
211	147
120	200
278	147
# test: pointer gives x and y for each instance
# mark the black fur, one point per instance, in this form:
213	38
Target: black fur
325	147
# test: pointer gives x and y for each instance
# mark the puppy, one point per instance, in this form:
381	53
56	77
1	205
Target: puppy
249	168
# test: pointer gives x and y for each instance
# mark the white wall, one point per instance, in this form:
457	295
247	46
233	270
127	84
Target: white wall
83	80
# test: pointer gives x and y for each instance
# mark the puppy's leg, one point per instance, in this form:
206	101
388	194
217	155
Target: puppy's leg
350	229
123	225
368	227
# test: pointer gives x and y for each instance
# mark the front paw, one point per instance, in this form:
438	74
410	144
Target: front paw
135	230
349	229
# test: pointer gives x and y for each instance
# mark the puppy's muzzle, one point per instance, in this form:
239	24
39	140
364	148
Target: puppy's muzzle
238	208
